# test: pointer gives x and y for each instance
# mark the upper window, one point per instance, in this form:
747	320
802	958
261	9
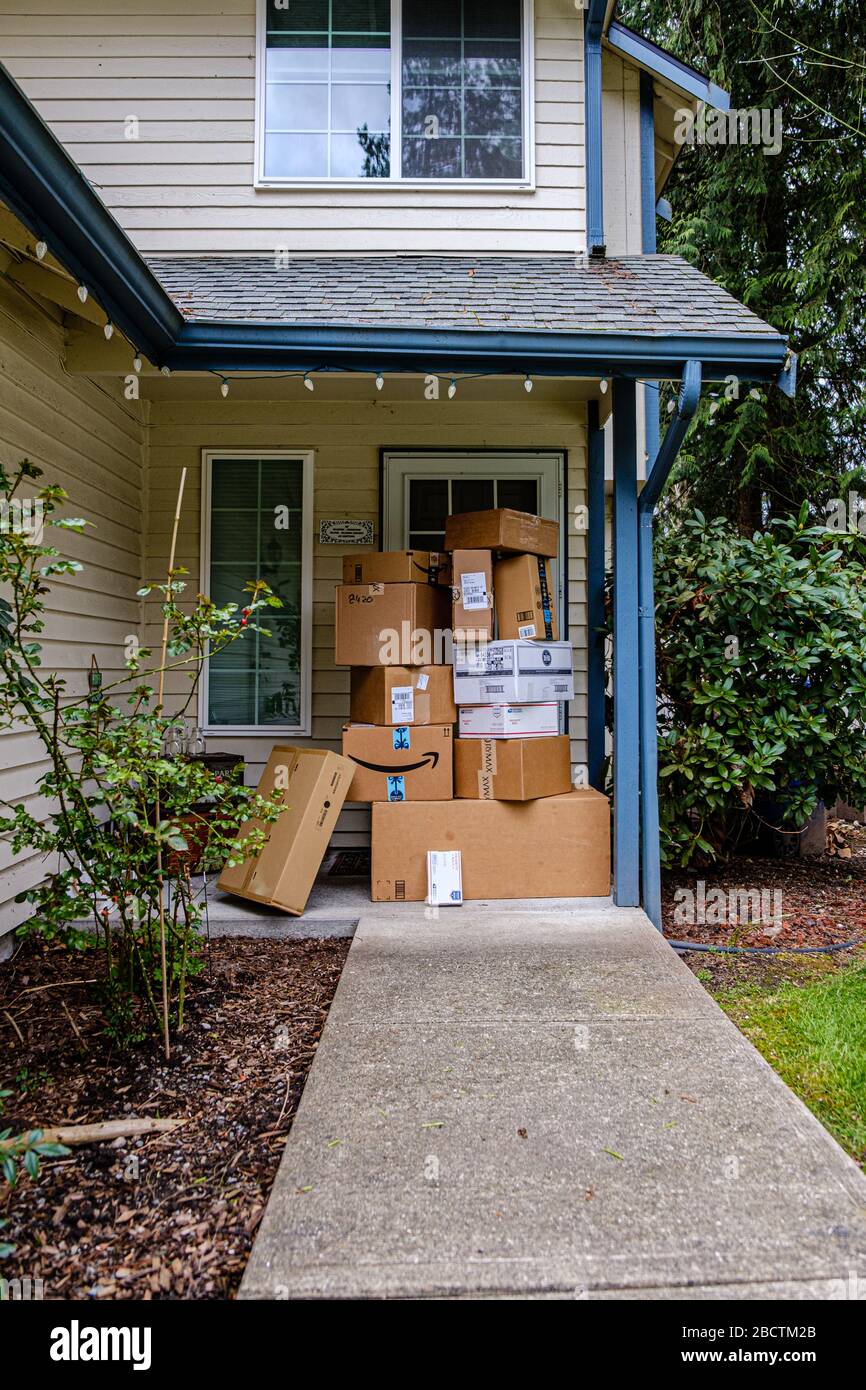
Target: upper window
390	89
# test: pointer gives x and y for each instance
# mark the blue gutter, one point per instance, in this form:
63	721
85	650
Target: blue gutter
628	44
253	346
649	795
593	25
47	191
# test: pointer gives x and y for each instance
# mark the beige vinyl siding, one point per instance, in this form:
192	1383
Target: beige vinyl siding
87	438
621	151
346	436
186	69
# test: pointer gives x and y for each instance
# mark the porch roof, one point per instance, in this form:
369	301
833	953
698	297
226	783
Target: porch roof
657	295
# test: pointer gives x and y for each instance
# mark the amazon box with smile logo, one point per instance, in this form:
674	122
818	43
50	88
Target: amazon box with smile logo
400	763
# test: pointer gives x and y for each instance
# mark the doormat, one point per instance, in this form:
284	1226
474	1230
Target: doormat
349	863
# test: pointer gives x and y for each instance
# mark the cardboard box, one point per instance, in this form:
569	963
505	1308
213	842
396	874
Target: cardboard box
397	567
403	695
556	847
513	672
525	598
391	624
509	721
502	529
315	783
511	769
472	592
400	764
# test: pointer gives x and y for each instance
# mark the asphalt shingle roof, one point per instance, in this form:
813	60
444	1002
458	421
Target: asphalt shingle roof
632	294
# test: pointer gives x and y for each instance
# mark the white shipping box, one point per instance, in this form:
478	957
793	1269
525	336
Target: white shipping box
509	721
512	672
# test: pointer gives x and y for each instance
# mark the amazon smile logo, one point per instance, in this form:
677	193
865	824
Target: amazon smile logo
429	759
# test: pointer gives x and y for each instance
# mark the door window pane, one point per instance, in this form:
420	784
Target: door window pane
462	97
256	532
521	494
472	494
327	81
428	504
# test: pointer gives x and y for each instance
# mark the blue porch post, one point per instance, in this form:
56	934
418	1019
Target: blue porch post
626	740
595	598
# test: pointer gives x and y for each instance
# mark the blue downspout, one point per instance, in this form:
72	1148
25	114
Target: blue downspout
595	681
649	795
648	242
626	717
593	23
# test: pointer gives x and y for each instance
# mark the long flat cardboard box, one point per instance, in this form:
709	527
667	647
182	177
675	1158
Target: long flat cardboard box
390	624
556	847
513	672
314	782
402	695
397	567
400	764
509	721
502	528
511	769
525	605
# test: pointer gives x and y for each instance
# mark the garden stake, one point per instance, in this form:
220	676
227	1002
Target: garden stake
160	699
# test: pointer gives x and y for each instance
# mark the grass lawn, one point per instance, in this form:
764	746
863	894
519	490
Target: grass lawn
807	1016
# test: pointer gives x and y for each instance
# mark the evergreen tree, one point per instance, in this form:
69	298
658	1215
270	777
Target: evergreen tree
786	234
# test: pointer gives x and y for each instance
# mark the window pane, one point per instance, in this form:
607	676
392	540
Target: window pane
462	89
471	494
362	16
296	106
359	104
256	532
297	16
519	493
492	159
432	159
296	156
428	504
483	20
366	154
328	73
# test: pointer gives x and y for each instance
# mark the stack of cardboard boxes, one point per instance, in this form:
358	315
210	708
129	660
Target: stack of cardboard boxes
510	814
465	641
391	615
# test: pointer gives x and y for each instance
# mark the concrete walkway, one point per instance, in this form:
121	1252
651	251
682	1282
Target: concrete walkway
536	1103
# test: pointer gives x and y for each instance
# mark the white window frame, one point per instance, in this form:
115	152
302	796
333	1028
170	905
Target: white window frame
525	184
270	731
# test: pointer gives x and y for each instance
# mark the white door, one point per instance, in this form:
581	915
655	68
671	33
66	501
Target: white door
420	490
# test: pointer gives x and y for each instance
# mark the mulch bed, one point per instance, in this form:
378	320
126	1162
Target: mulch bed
823	900
167	1216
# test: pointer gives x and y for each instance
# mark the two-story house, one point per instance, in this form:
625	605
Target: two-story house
372	260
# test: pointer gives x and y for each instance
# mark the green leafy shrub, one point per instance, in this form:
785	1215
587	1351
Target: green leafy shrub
761	652
125	823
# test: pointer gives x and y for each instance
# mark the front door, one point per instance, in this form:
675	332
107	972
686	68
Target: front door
420	490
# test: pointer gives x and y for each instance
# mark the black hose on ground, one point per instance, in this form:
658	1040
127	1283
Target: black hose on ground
763	950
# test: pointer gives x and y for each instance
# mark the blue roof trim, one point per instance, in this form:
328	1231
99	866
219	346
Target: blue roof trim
254	346
47	191
648	55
